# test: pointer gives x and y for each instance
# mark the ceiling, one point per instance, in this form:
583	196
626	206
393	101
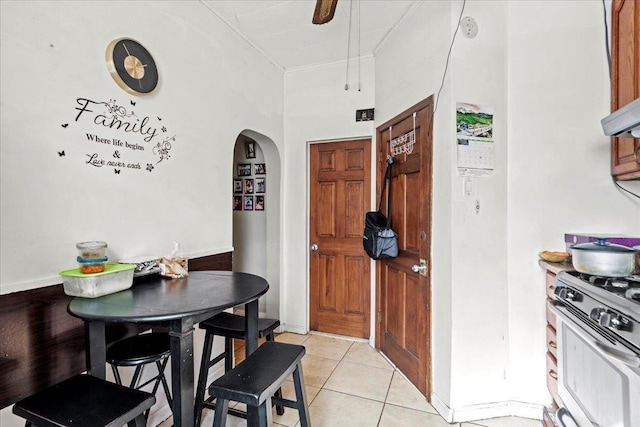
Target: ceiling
283	32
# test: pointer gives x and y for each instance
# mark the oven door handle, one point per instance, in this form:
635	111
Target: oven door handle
628	359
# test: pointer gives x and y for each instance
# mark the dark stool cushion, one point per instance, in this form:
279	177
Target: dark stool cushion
84	401
232	326
260	375
139	349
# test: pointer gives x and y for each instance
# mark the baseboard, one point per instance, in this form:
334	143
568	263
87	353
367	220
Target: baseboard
340	337
296	329
444	411
486	410
158	415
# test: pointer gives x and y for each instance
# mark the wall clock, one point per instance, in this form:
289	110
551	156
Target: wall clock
132	66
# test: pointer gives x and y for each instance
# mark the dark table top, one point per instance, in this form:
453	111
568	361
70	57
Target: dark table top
163	299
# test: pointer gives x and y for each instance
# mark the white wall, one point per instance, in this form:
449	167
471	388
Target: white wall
317	108
541	65
559	177
53	53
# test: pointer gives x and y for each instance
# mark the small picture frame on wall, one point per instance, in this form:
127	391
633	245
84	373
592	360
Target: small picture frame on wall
244	169
248	203
259	203
237	203
250	150
248	186
237	186
260	169
261	185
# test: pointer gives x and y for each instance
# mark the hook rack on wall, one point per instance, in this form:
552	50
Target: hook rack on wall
403	143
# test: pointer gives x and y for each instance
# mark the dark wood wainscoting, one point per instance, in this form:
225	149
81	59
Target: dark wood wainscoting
41	344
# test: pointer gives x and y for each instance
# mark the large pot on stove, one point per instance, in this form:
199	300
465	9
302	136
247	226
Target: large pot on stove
602	258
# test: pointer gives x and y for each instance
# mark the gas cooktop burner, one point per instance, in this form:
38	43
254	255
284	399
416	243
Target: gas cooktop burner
633	294
626	289
611	284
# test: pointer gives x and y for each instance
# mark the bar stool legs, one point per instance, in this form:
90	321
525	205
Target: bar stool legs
139	351
230	326
255	380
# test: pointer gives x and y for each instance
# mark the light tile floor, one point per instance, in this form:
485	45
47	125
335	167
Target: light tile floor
348	383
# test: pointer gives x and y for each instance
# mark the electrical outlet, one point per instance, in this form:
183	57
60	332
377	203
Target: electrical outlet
469	27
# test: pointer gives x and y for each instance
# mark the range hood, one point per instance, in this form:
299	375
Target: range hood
625	122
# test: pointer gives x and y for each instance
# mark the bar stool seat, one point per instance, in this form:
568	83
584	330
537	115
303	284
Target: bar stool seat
138	351
230	326
85	401
255	381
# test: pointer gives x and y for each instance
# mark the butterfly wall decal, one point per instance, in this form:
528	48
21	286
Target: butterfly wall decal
117	171
64	125
61	153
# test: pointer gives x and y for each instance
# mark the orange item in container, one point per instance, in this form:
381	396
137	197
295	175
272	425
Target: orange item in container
92	266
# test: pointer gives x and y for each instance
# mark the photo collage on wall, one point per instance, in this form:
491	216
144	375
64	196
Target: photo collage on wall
250	184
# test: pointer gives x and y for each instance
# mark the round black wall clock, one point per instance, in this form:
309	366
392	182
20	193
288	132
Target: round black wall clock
132	66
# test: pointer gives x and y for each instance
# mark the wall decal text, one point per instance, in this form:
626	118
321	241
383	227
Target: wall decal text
117	137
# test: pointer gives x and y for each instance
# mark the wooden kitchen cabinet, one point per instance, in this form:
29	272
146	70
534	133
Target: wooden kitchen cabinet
625	82
552	363
551	269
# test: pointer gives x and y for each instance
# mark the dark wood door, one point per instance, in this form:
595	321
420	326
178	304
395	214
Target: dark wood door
404	296
625	82
339	274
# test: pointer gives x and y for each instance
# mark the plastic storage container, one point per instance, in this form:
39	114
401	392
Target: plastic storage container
92	250
114	278
91	266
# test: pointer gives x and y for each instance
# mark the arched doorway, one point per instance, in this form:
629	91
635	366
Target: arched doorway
256	215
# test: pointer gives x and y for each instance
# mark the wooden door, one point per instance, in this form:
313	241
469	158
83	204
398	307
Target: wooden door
404	296
339	276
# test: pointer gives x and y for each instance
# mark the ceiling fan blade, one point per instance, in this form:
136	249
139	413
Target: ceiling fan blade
325	9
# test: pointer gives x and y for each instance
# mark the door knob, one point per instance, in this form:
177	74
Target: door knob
313	247
420	268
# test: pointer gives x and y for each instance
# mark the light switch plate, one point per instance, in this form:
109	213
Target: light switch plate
468	186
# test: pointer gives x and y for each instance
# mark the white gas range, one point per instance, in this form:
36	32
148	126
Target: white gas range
598	349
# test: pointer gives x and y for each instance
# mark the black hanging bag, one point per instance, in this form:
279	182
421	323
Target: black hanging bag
379	240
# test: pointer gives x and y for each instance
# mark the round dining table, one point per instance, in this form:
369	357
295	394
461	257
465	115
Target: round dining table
176	304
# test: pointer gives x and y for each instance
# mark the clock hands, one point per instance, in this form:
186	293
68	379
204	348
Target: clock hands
133	66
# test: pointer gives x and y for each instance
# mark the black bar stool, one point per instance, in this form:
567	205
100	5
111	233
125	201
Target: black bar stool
255	380
230	326
139	351
85	401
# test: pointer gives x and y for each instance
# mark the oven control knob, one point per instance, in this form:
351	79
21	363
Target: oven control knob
605	319
609	319
596	313
572	295
620	323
